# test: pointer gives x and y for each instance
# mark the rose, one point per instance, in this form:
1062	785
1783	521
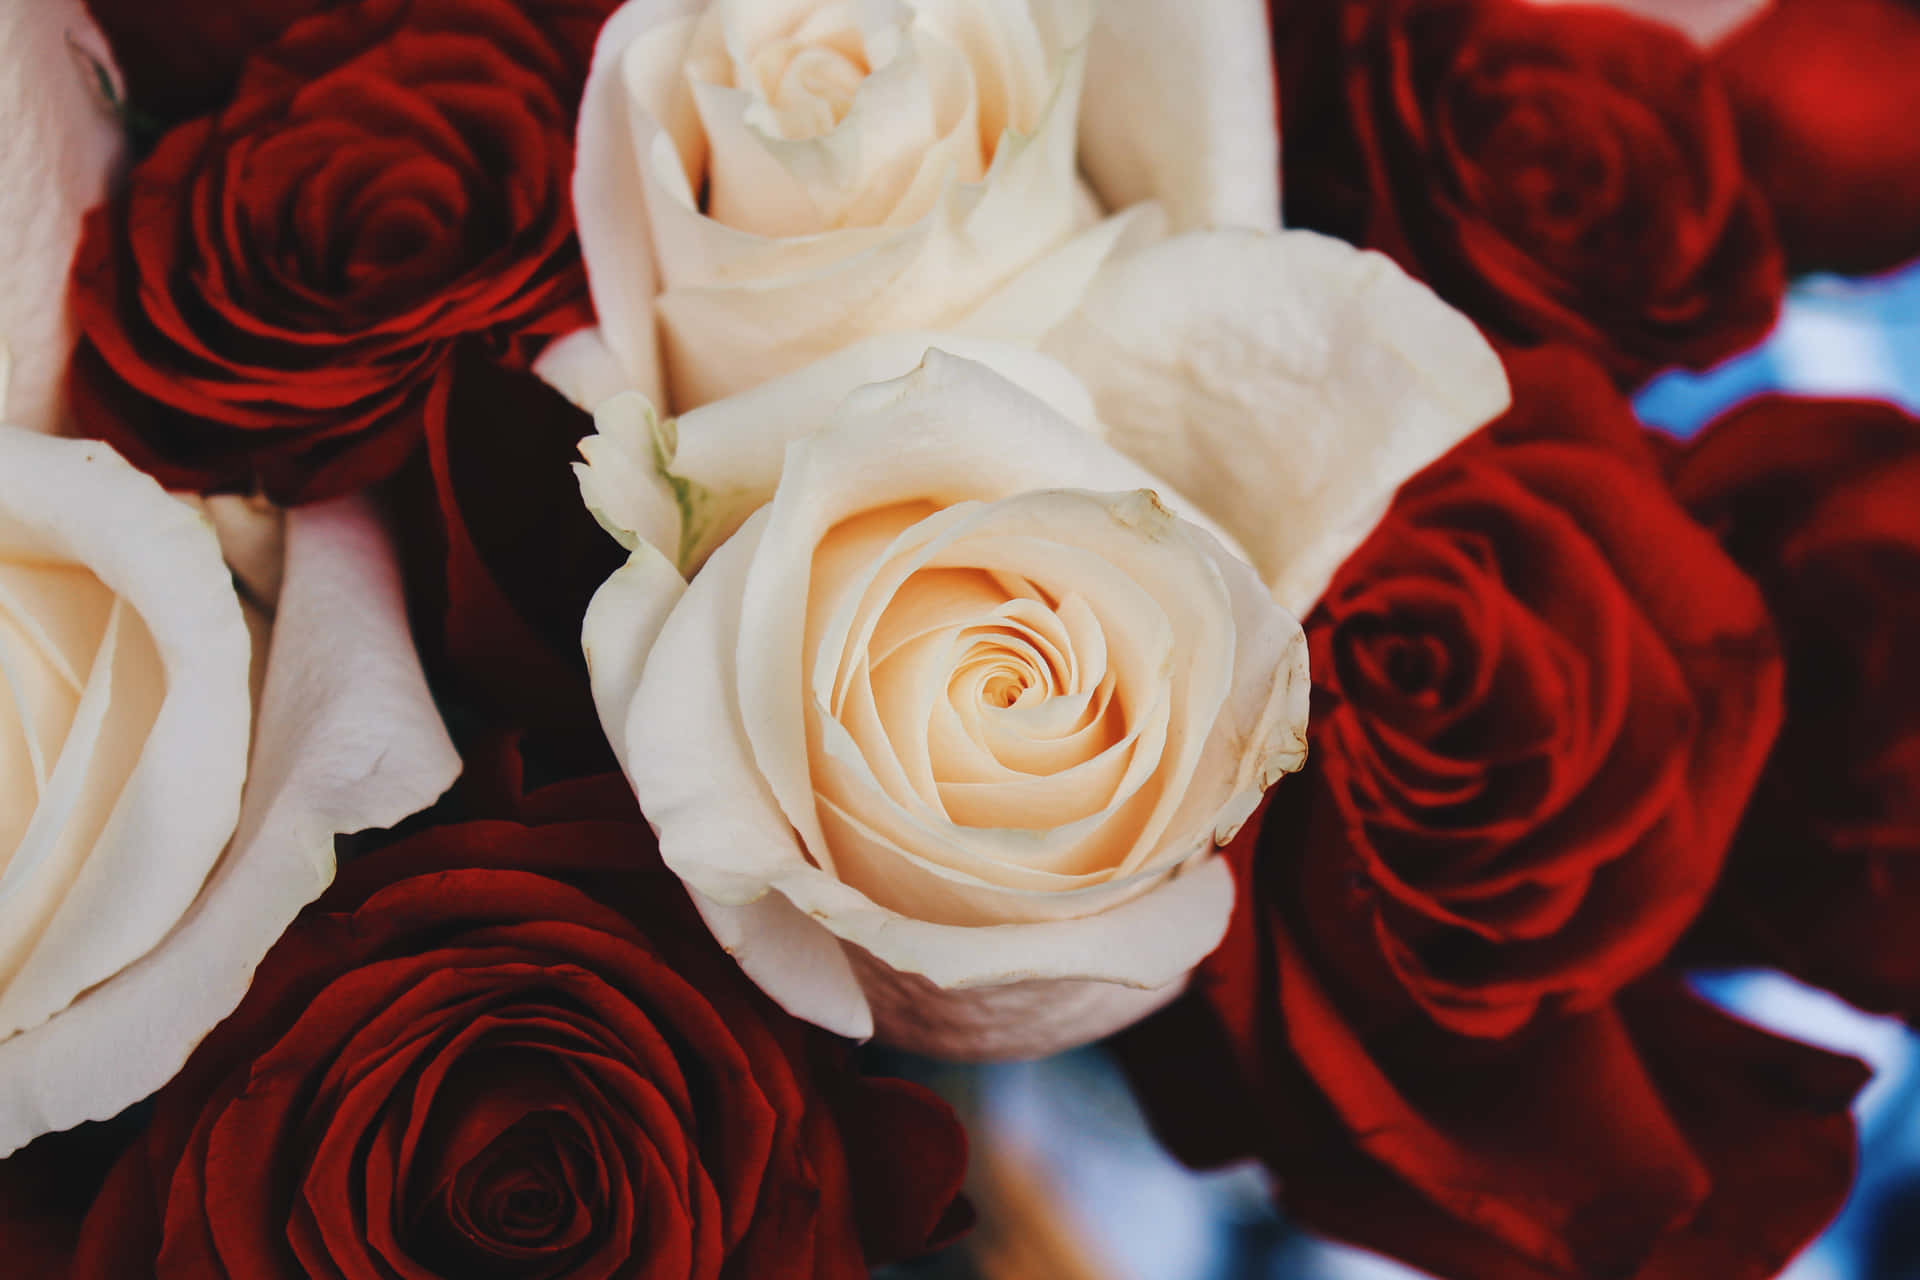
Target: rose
1537	735
1520	157
464	1060
272	301
1817	499
1542	697
802	823
58	151
760	185
141	881
1658	1138
980	724
1825	112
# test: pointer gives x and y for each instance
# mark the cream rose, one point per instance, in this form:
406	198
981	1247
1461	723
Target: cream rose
933	734
59	149
148	856
759	183
982	722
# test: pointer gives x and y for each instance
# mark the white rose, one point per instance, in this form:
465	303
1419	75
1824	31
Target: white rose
759	183
60	147
145	863
969	695
859	839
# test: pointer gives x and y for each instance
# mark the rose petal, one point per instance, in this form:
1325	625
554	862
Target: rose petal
609	197
1180	108
770	935
712	467
1293	380
621	625
59	148
348	739
162	821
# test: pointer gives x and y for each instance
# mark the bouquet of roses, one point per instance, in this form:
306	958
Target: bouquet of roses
564	564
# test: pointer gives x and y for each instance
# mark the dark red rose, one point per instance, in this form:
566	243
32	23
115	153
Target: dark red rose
1561	173
496	1049
274	298
1820	501
1826	98
1542	694
180	59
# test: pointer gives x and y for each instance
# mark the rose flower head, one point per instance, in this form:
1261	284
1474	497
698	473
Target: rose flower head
980	724
509	1049
1542	698
762	183
270	302
1560	172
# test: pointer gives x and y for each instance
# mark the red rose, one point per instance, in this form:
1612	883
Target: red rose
1826	98
273	299
464	1061
1561	173
1542	696
1820	501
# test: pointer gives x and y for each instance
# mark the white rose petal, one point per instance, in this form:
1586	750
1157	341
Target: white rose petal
962	693
60	146
133	924
1180	108
1291	380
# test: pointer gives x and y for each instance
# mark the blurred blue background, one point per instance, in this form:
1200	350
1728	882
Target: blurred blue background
1144	1217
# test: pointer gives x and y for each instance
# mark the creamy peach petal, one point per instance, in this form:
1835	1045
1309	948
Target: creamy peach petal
60	148
623	621
1022	990
611	153
140	804
1180	108
790	957
1330	365
908	880
720	828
